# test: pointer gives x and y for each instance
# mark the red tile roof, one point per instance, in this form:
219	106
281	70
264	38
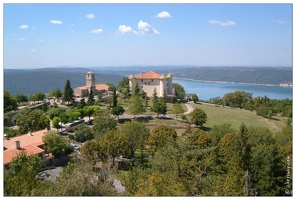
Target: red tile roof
28	143
102	86
149	75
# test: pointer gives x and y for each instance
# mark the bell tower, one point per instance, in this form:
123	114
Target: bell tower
90	81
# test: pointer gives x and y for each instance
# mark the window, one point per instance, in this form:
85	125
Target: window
142	80
148	83
151	80
145	83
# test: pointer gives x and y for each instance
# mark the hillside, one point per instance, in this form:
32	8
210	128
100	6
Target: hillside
31	81
263	75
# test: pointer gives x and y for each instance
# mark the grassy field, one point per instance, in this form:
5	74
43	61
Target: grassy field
235	117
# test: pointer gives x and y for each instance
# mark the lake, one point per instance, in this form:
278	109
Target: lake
207	90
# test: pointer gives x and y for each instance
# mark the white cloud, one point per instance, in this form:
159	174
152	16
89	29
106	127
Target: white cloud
227	23
278	21
33	50
72	24
97	31
56	22
123	29
145	28
90	16
163	14
24	27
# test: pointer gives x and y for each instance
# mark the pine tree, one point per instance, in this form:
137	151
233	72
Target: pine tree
137	89
114	98
91	99
68	92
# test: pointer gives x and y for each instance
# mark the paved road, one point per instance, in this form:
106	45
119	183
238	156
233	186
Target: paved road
189	108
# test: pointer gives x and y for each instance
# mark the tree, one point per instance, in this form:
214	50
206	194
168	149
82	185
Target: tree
137	89
31	120
40	96
159	137
22	177
56	123
160	108
118	110
44	106
177	109
20	98
9	102
137	135
82	103
64	118
73	114
198	117
92	151
103	123
56	93
68	92
55	143
91	98
114	143
82	133
135	105
111	87
179	90
194	98
108	100
114	98
123	86
89	111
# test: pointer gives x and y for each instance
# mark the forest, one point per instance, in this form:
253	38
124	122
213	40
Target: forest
160	160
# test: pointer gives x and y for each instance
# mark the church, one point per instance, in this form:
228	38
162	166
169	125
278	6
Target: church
83	91
147	81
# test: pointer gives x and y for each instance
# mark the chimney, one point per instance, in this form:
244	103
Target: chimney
30	133
17	144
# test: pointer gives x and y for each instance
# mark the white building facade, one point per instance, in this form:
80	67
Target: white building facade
147	81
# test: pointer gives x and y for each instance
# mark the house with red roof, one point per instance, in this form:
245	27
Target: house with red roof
147	81
31	143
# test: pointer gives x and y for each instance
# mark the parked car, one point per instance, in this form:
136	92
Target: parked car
75	146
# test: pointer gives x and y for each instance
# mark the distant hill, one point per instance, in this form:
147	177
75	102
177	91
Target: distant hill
43	80
253	75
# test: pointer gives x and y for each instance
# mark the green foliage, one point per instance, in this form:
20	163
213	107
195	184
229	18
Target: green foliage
236	99
31	120
20	98
82	133
44	107
56	93
22	177
82	103
177	109
55	143
55	122
137	135
135	105
111	86
89	111
114	143
198	117
179	90
114	98
160	136
159	107
136	89
92	151
68	93
91	98
103	123
194	98
118	110
9	102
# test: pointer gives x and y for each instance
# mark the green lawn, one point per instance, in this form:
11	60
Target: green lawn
235	117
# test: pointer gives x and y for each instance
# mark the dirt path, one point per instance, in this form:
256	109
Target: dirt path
271	124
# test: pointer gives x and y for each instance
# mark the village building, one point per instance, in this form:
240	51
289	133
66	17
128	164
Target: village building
83	91
147	81
30	143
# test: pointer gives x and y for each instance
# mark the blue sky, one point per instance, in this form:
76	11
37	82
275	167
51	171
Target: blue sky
84	35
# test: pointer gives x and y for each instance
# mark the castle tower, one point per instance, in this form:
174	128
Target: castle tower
170	83
90	81
132	82
162	85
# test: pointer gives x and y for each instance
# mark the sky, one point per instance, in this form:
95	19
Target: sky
140	34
